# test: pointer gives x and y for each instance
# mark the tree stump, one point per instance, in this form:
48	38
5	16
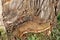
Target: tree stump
24	16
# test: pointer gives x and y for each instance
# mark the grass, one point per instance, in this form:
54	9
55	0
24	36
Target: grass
3	35
39	36
55	35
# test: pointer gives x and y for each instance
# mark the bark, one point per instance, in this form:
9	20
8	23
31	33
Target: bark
2	27
25	16
58	6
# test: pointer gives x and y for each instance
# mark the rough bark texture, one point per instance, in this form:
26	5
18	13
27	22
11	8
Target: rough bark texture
58	6
23	16
2	27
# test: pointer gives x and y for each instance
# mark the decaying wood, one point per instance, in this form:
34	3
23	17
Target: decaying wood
31	27
28	15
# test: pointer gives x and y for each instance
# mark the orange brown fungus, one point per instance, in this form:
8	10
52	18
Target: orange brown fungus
31	27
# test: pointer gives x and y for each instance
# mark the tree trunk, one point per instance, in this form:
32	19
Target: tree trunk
2	27
24	16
